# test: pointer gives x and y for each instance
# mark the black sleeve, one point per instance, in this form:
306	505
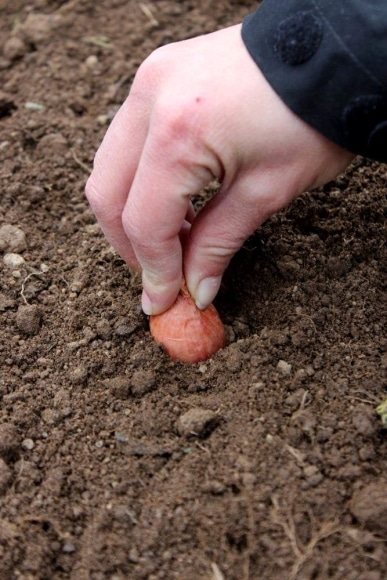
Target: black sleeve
327	60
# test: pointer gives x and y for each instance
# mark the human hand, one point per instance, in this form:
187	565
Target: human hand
197	110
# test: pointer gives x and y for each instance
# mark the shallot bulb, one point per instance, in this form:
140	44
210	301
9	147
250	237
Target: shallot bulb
186	333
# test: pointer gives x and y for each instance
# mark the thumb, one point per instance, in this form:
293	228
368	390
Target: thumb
223	225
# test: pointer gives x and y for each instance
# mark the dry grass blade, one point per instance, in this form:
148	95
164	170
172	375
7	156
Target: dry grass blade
148	13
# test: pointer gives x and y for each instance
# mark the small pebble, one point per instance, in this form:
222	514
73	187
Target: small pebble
284	368
51	416
214	487
119	387
104	329
143	382
363	419
124	328
12	239
68	548
28	319
103	120
78	375
52	144
313	476
198	422
91	61
14	48
13	260
133	555
369	506
28	444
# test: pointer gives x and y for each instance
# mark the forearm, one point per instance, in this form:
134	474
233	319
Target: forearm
326	59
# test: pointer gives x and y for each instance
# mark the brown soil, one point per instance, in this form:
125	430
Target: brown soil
279	469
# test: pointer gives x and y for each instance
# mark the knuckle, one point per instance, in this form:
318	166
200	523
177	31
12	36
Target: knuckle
155	65
91	192
178	116
177	128
135	229
180	111
217	252
95	197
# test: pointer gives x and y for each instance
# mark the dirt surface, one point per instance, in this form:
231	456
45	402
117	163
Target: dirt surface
266	462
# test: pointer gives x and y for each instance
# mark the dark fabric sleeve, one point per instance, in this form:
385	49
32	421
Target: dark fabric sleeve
327	60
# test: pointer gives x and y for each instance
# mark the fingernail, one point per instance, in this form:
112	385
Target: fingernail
146	304
206	291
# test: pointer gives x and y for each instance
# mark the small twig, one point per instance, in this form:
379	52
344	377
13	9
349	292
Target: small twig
298	456
303	400
38	275
372	398
217	574
99	40
148	13
202	447
80	163
360	400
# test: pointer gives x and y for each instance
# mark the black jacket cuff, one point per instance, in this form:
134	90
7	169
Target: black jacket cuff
327	60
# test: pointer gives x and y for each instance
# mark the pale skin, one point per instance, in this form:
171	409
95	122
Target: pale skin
197	110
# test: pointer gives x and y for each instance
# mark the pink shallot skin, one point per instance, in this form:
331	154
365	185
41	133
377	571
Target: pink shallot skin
186	333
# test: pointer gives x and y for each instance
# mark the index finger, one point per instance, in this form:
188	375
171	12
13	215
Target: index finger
174	164
114	168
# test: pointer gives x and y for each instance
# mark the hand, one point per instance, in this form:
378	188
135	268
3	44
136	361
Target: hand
200	109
